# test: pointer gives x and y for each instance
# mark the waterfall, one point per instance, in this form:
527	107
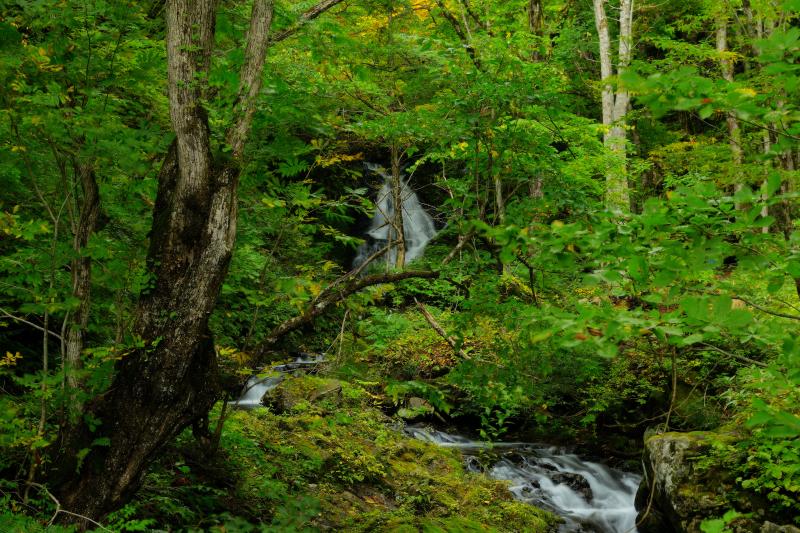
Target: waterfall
418	226
257	386
585	494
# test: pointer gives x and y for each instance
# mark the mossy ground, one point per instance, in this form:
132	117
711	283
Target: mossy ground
333	463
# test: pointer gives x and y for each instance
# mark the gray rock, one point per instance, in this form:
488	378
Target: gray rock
769	527
684	495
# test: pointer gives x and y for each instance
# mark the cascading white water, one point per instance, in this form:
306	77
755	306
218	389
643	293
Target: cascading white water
257	387
584	493
418	226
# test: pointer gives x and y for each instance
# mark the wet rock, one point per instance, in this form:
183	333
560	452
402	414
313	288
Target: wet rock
576	482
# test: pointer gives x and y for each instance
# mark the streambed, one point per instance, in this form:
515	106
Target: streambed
590	496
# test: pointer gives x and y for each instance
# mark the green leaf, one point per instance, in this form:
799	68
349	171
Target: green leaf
637	269
775	283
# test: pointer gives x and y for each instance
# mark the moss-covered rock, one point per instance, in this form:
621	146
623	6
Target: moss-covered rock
298	390
328	461
683	495
689	487
367	476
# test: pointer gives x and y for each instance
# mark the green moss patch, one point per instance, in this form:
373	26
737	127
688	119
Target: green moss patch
327	461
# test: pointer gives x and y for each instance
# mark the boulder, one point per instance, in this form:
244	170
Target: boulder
683	494
298	389
576	482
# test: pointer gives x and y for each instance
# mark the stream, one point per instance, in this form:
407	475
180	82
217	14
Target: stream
590	496
257	386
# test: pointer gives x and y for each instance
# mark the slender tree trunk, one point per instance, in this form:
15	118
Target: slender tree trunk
726	66
81	267
606	70
536	26
767	147
397	235
615	104
170	382
784	215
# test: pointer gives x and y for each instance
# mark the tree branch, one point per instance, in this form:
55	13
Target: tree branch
768	311
735	356
440	330
461	32
250	77
305	18
31	324
321	305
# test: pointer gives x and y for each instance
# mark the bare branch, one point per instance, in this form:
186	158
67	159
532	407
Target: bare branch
321	305
305	18
31	324
732	355
440	330
768	311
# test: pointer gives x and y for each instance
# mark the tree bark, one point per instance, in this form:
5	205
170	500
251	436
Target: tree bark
81	270
615	104
170	382
397	237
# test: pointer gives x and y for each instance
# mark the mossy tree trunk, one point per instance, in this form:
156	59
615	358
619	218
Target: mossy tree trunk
170	381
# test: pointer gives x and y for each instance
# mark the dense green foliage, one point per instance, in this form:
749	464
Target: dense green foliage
567	321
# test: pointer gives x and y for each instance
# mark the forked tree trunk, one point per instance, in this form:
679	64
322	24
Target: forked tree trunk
170	382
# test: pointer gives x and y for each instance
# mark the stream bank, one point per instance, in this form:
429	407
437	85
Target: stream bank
588	496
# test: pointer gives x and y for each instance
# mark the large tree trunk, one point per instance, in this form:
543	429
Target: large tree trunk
170	381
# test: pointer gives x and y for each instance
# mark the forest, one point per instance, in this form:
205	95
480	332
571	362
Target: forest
428	266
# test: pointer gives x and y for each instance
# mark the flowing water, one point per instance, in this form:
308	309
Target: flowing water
418	226
257	386
590	496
